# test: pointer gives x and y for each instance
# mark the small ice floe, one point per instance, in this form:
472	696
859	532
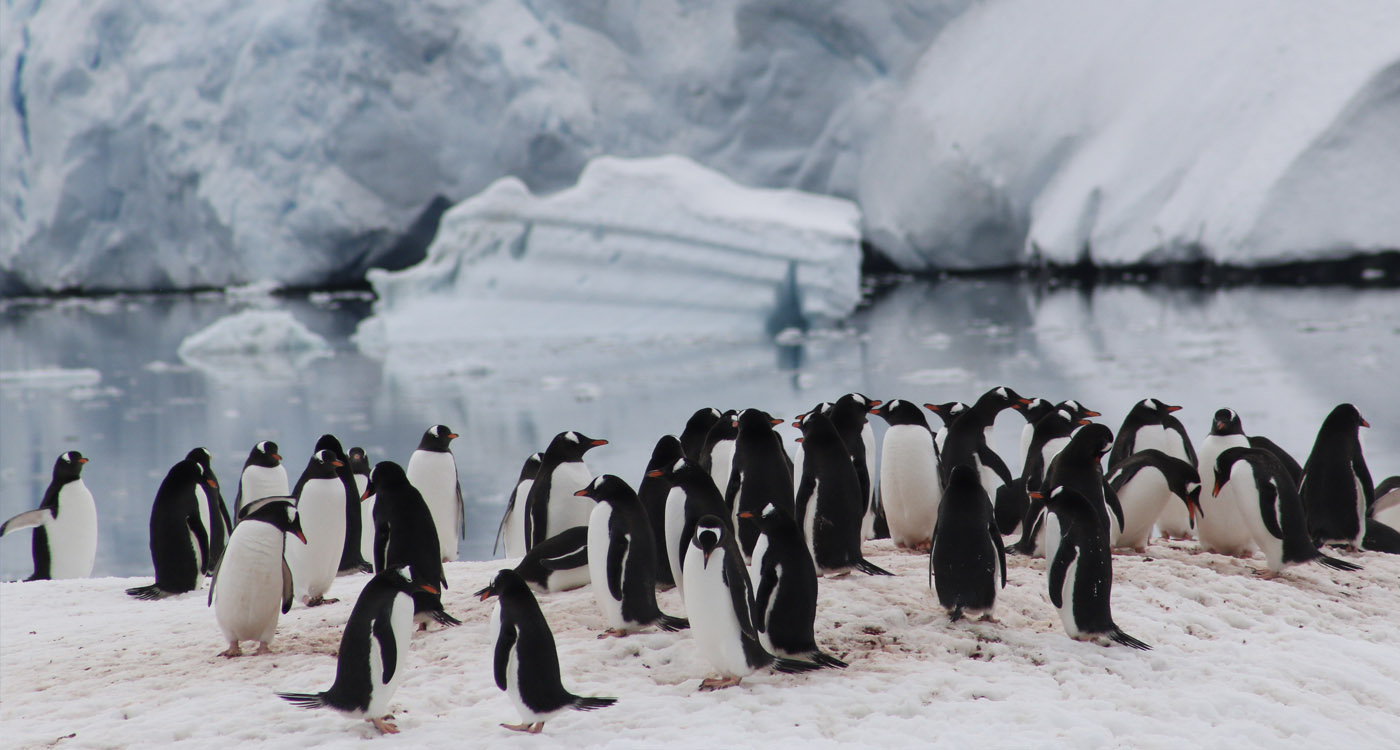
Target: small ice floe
51	377
254	344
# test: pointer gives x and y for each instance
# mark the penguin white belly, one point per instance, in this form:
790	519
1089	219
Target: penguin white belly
766	615
599	542
434	474
248	590
568	580
322	512
1241	485
1360	510
1067	599
675	526
1221	527
760	548
258	482
513	535
1387	509
1173	520
713	624
809	522
940	437
72	534
401	623
797	465
1049	543
1048	452
1143	497
202	505
1027	437
566	511
909	485
366	518
867	527
721	462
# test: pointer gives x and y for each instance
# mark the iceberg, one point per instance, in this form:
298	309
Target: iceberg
254	345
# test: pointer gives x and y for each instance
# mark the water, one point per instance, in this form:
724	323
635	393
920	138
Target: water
1281	357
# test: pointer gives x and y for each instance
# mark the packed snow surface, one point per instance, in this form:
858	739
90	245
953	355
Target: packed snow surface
1238	662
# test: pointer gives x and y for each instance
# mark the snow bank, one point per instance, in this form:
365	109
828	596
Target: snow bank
1245	132
102	670
638	249
267	343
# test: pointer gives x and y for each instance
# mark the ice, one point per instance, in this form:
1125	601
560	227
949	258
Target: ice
51	377
254	344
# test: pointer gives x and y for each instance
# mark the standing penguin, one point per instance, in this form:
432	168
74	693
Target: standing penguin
179	536
526	662
220	526
359	469
321	509
511	532
372	659
1145	482
948	413
692	496
350	559
405	535
1080	574
850	415
760	474
719	597
967	556
622	560
559	563
1078	466
1034	411
652	493
910	488
263	476
433	470
697	428
252	583
64	543
718	455
1150	425
828	501
969	442
1271	508
1221	527
785	589
1337	490
551	507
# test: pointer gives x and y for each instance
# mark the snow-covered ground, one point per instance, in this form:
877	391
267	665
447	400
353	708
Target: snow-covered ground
1238	662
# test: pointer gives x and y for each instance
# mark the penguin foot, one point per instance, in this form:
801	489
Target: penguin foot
535	728
613	633
384	726
317	601
232	651
988	618
263	648
718	683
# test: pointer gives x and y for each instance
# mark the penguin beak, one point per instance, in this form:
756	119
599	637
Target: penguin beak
427	588
1364	423
597	443
1171	409
582	493
655	473
369	490
451	436
776	422
84	460
337	464
706	560
299	535
1083	422
1034	495
876	402
1023	402
212	483
797	423
1219	425
875	411
275	456
799	440
1216	491
932	407
746	514
484	594
1088	413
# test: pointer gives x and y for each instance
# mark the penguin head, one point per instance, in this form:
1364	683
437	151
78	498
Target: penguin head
709	534
1002	397
857	403
200	455
757	420
1077	410
385	474
505	583
963	478
398	578
278	510
1225	463
328	458
667	452
764	518
531	467
264	454
571	445
671	470
947	412
1345	418
68	466
436	438
607	488
1035	410
900	412
1226	422
328	442
358	460
1094	438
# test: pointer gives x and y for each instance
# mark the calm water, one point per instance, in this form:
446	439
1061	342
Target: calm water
1281	357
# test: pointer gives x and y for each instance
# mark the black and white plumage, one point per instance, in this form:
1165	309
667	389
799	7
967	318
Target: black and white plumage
263	476
760	473
829	507
652	492
252	582
622	560
948	413
372	660
358	462
1221	527
967	557
1271	508
179	536
1033	411
697	428
1152	425
551	506
784	580
405	535
511	532
526	662
850	415
64	544
1145	482
433	470
559	563
718	454
1080	573
219	523
1078	466
320	495
1384	518
910	487
692	496
969	442
1336	488
350	559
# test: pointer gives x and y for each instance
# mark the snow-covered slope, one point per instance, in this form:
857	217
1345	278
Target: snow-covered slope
1247	131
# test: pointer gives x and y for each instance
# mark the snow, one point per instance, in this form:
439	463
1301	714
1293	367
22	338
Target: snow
1248	132
253	344
102	670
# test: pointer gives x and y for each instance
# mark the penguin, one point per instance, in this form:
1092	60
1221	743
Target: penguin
969	442
784	581
1033	412
1386	508
64	543
252	583
1150	424
220	526
511	532
1078	466
1271	507
179	536
697	428
1144	482
526	662
350	559
405	535
1381	537
1336	488
967	556
1077	410
372	659
1050	436
433	470
760	474
948	413
850	414
828	501
263	476
551	507
359	469
1290	464
692	496
1221	528
652	492
718	456
1080	573
622	560
910	488
559	563
321	510
798	455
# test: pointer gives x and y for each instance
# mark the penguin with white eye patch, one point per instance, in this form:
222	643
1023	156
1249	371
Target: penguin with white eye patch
559	563
64	543
785	588
910	488
252	582
511	532
1221	527
551	507
179	532
1080	573
433	470
263	476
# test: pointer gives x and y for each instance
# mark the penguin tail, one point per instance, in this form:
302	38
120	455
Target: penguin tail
1336	564
823	659
672	624
794	666
442	617
146	593
304	700
1119	636
871	569
955	614
591	704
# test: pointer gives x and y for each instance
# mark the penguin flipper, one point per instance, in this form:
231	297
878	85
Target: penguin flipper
617	558
214	581
871	569
1336	564
1110	497
1001	550
27	520
505	641
201	538
501	529
461	513
1380	538
581	703
1118	636
286	586
383	632
1030	527
1059	568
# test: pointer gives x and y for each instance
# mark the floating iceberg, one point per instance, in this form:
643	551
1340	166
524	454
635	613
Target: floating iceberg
254	344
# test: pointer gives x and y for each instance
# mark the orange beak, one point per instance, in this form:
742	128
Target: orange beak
876	402
212	483
450	436
931	407
337	464
581	493
599	442
1084	421
1364	423
300	536
799	440
1171	409
1216	492
274	455
777	422
429	589
1034	495
84	460
655	473
365	496
1088	413
746	514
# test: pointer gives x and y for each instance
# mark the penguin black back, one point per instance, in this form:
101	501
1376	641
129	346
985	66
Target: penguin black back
652	492
405	535
220	525
761	474
724	428
967	556
828	501
697	428
1079	466
179	540
1337	489
785	598
1080	576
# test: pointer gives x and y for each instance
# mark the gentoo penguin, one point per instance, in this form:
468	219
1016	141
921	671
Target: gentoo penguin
828	501
1080	573
697	428
652	492
850	414
1151	424
359	469
1386	508
910	488
252	582
1144	482
511	532
718	456
1078	466
551	507
263	476
65	525
760	473
350	559
1050	436
785	588
321	509
1271	508
433	470
797	454
967	557
948	413
526	661
372	659
1221	528
179	540
719	598
405	535
622	560
1034	411
1290	464
1337	490
692	495
219	523
969	442
1077	410
559	563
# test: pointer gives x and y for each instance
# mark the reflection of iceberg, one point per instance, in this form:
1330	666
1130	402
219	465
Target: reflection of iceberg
254	344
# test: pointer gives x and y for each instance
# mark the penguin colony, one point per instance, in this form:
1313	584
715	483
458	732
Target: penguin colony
738	526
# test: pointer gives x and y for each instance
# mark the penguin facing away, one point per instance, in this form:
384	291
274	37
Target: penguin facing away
760	473
358	462
652	492
1336	489
252	582
551	506
622	560
405	535
320	497
718	457
910	488
433	470
697	428
64	543
263	476
1080	574
511	532
784	580
372	660
1145	482
967	556
559	563
828	500
526	662
220	526
179	536
1221	527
